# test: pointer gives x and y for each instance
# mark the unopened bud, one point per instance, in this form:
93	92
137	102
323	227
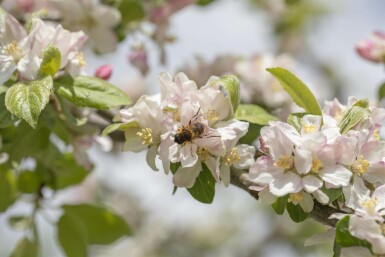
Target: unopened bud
138	58
373	48
104	72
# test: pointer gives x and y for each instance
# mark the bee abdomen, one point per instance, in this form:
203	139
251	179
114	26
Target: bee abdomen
198	129
183	136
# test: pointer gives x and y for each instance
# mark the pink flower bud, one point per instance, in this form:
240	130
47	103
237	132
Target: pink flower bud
138	58
104	72
27	5
373	48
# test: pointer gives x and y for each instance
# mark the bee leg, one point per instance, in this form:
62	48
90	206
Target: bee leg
195	116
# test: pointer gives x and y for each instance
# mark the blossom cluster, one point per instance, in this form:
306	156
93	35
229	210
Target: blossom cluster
373	48
302	162
188	125
22	50
304	159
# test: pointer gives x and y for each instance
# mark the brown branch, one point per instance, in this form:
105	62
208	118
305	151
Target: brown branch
320	213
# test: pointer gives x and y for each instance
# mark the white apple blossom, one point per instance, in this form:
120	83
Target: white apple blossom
96	19
16	50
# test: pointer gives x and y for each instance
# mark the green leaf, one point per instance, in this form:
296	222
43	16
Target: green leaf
204	187
354	116
252	134
28	182
66	171
51	61
6	118
344	238
25	248
72	236
280	205
336	249
332	193
364	103
7	190
3	89
204	2
229	85
296	213
100	225
294	119
131	10
19	222
91	92
298	91
111	128
254	114
381	92
27	101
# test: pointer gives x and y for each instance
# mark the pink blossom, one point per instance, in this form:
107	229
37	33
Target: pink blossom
373	48
104	72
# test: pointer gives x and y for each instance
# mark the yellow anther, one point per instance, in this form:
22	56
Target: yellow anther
376	135
370	205
80	58
232	158
14	50
146	136
203	153
360	166
308	128
285	162
212	116
316	165
295	198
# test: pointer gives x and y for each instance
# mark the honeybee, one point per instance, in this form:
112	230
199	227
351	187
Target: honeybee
191	131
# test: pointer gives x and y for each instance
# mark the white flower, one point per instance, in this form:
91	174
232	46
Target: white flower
144	127
97	20
15	50
370	230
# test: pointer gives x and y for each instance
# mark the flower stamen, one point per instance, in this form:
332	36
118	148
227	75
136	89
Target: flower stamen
295	198
285	162
14	50
316	165
146	136
309	129
212	116
360	166
233	157
370	205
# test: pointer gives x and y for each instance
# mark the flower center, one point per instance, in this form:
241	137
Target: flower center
212	116
203	153
376	135
285	162
175	112
370	205
295	198
80	59
232	158
146	136
360	166
316	165
308	128
14	50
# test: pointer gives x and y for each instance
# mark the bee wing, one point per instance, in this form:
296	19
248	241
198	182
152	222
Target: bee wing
212	141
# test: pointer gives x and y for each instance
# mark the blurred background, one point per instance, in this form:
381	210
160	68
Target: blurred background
320	36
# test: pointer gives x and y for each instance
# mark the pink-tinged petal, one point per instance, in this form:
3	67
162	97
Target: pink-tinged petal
150	157
311	183
303	160
307	202
12	30
373	151
264	170
378	243
321	197
379	194
346	150
188	155
376	173
167	152
211	140
225	174
186	176
285	183
336	175
7	67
